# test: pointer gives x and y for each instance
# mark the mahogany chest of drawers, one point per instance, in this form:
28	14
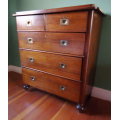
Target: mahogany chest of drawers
58	49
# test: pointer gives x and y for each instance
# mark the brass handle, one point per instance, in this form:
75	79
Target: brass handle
62	66
64	42
30	40
29	23
31	59
62	88
32	78
64	21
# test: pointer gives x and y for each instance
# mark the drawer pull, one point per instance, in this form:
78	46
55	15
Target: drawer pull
30	40
64	21
62	66
64	42
31	60
29	23
62	88
32	78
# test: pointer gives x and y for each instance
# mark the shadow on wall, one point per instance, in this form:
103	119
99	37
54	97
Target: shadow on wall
103	70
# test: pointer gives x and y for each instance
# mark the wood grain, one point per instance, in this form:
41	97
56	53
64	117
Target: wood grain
52	84
77	22
36	22
51	42
51	63
91	48
65	44
37	105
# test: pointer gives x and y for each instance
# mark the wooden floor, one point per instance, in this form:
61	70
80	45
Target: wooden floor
39	105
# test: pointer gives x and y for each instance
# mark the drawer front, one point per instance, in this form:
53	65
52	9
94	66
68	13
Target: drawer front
67	22
35	22
65	66
71	43
56	85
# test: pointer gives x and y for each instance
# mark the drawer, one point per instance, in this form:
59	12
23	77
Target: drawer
67	22
35	22
71	43
56	85
64	66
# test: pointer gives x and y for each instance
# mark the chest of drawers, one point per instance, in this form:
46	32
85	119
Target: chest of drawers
58	49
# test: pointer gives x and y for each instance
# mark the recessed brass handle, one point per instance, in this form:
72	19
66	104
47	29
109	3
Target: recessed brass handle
31	59
62	65
62	88
32	78
64	42
30	40
29	23
64	21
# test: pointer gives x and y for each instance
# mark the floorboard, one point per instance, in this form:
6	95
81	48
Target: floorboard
38	105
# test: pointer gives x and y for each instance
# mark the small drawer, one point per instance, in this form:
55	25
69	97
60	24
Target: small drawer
70	43
62	87
64	66
35	22
67	22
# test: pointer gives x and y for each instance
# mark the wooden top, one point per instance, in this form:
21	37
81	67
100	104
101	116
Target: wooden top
58	10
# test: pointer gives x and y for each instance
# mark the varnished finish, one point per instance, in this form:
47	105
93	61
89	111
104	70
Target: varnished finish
36	23
51	42
89	62
77	22
56	85
38	105
51	63
60	44
59	10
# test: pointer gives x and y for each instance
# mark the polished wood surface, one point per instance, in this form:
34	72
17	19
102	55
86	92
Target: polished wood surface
35	22
62	87
77	22
91	49
62	43
52	42
59	10
38	105
52	63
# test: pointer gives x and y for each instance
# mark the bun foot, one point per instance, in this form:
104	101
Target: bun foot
26	87
80	108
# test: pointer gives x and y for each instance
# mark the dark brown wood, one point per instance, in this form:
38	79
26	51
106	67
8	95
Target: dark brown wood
36	104
89	61
77	22
30	23
52	84
51	63
58	10
52	42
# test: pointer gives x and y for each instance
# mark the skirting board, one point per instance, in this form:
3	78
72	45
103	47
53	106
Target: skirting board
96	92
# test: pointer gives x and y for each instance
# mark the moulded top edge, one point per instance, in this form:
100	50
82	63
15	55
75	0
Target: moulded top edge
58	10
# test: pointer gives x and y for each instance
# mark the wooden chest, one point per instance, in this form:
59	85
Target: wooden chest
58	49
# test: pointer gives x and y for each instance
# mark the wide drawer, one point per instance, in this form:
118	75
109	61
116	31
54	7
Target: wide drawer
65	66
71	43
56	85
67	22
34	23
